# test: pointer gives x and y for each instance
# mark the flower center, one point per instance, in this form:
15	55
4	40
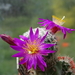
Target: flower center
31	47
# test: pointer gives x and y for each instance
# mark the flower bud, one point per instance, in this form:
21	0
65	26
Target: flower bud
7	39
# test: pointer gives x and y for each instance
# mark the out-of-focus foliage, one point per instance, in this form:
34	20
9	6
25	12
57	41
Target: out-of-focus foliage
17	16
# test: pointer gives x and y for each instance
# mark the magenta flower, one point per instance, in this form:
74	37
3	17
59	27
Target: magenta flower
55	25
32	50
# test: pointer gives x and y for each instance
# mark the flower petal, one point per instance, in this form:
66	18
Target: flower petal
41	60
40	65
37	33
30	62
41	22
43	38
23	37
47	45
17	48
45	23
35	62
26	57
47	51
64	32
31	34
18	41
50	26
21	54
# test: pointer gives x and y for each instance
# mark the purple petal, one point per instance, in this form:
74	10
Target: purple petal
18	41
64	29
21	54
17	48
40	65
64	32
43	24
47	51
37	33
31	34
35	62
26	57
42	39
46	22
50	26
69	31
47	45
30	62
41	60
23	37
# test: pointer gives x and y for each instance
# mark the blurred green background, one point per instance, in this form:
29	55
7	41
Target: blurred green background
17	16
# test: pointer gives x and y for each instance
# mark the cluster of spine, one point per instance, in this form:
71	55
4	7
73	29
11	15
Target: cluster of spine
68	65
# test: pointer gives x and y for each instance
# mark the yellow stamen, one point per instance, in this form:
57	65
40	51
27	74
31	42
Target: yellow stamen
58	20
31	47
